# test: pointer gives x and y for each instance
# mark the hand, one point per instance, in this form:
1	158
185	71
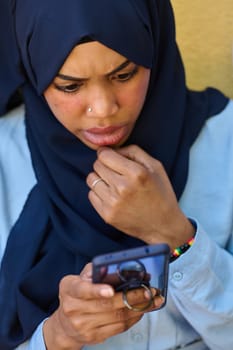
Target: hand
136	197
90	313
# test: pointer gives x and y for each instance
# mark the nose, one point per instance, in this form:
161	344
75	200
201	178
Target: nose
102	102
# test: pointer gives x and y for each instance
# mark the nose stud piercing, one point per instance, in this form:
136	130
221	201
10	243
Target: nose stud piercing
89	109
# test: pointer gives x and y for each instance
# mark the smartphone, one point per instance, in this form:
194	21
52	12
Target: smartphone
129	269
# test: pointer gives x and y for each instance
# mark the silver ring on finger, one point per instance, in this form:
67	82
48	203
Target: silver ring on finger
95	182
135	308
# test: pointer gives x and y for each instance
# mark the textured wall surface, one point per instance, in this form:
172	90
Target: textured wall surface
205	38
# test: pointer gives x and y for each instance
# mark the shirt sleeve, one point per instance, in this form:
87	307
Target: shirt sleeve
36	342
201	284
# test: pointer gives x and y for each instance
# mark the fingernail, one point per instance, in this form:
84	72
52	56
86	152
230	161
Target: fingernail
87	276
106	292
158	301
153	292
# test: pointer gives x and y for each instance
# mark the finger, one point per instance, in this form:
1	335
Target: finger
76	287
139	156
158	302
72	303
86	273
100	318
97	203
97	183
91	296
141	300
116	161
89	334
138	296
109	175
110	330
99	195
93	180
154	166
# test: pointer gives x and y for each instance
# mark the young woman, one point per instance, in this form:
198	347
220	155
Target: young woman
109	151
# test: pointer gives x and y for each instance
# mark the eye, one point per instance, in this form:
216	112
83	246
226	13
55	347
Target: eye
70	88
125	76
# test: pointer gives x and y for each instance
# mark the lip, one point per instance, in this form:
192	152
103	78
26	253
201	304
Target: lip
106	136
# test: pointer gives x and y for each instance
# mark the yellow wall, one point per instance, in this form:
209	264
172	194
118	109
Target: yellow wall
205	37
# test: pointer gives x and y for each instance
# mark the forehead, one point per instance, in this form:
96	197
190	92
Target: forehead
123	25
90	58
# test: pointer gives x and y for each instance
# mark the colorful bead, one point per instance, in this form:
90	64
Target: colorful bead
181	249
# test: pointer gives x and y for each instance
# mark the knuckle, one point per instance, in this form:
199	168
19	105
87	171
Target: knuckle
158	166
133	148
103	303
134	320
124	326
86	271
120	315
110	213
65	284
114	201
140	175
123	189
67	306
89	337
79	325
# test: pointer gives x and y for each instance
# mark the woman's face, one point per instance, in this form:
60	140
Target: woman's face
98	95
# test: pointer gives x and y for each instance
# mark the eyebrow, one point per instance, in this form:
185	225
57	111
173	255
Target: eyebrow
114	71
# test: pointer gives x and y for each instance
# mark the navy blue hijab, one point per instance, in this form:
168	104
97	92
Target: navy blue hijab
58	231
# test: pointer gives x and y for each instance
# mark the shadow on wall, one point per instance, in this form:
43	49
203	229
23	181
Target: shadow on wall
205	38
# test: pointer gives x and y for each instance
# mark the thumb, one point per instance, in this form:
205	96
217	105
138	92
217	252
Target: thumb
86	273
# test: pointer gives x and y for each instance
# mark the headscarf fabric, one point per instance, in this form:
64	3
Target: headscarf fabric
58	231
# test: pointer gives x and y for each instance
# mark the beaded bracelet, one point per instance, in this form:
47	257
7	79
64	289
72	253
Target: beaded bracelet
181	249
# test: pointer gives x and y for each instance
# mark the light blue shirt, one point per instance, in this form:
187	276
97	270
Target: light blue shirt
200	291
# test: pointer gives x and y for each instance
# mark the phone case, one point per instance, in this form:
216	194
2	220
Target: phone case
145	266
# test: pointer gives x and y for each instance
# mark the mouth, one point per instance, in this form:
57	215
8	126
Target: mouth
106	136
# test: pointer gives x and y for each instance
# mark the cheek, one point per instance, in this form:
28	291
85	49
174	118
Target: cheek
63	107
57	105
142	87
135	97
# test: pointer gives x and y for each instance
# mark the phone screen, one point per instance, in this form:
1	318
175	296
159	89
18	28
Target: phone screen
133	268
